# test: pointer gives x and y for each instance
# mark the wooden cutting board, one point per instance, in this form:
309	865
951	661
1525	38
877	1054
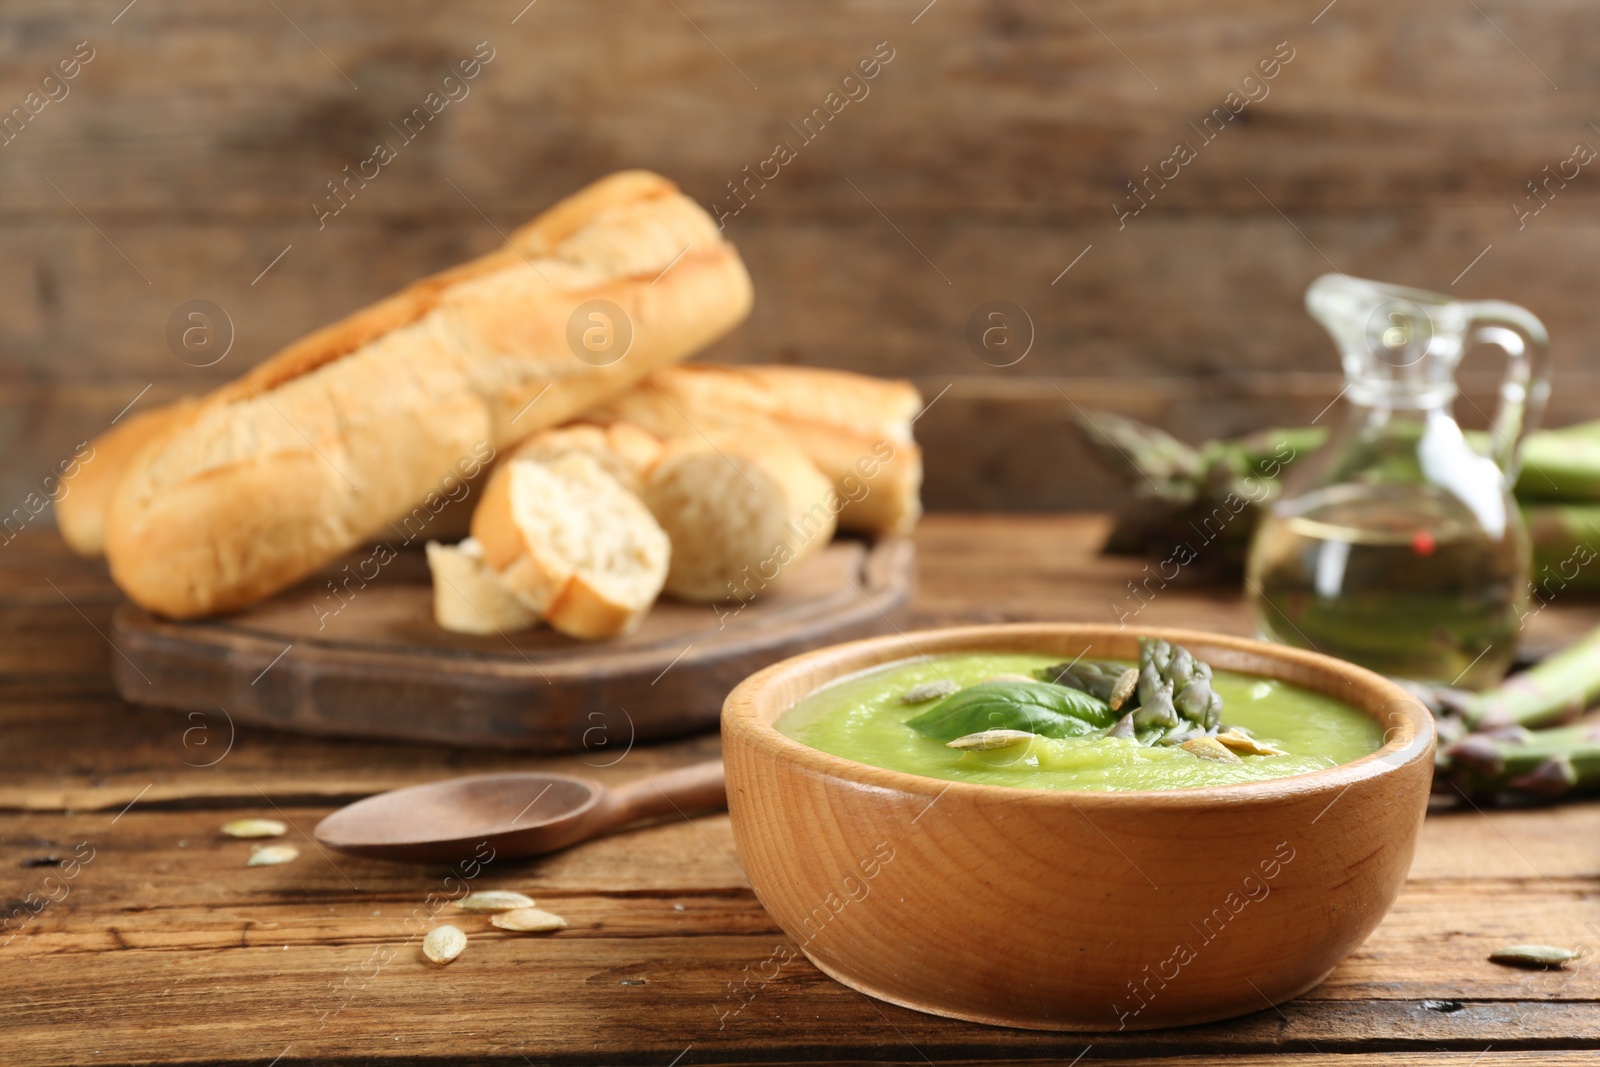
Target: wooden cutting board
372	663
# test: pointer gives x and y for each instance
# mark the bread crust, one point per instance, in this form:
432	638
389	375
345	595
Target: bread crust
323	446
494	527
81	512
582	611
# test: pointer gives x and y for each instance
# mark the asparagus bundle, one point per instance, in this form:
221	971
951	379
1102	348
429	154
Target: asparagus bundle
1176	487
1486	746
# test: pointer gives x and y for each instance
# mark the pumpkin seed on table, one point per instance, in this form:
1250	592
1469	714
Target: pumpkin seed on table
921	694
984	740
443	944
528	921
494	900
1210	748
255	828
271	855
1543	956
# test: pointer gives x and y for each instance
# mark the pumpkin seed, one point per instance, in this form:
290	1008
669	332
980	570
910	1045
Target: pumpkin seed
1210	748
443	944
271	855
984	740
1127	682
494	900
1238	741
1533	956
921	694
255	828
528	921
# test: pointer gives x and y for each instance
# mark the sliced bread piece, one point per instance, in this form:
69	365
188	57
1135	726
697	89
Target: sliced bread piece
572	543
468	597
741	508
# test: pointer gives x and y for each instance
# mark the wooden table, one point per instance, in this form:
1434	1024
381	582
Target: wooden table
157	943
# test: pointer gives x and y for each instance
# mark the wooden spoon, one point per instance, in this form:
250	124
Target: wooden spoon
514	814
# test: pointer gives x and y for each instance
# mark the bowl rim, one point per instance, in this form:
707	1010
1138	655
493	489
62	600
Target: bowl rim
1406	742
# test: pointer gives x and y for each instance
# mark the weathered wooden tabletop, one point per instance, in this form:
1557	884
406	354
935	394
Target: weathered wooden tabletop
137	934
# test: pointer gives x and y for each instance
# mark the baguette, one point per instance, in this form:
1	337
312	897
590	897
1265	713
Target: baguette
856	429
572	544
321	448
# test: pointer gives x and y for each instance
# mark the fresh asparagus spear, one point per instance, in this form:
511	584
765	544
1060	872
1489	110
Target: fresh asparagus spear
1474	748
1558	687
1541	763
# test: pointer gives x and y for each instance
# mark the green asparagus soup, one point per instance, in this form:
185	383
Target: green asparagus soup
864	717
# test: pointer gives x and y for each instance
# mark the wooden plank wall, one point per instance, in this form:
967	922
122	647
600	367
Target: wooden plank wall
985	157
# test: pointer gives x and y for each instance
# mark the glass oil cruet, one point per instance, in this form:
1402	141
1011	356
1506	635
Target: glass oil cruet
1397	544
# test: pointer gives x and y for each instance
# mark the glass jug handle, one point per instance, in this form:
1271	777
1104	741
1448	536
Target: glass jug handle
1526	385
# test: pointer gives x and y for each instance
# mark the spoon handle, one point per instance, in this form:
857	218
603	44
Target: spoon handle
699	787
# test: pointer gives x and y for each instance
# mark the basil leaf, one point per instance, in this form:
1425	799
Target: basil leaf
1037	707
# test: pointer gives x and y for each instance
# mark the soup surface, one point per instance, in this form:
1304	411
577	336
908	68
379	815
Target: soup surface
861	717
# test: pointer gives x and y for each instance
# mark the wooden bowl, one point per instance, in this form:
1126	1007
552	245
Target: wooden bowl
1060	910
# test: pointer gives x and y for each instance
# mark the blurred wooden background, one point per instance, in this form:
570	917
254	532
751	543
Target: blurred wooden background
986	158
